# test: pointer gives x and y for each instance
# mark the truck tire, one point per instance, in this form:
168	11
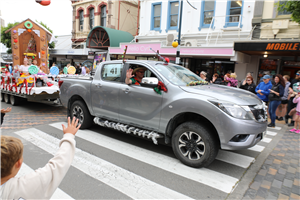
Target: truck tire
80	111
193	145
7	98
14	100
1	97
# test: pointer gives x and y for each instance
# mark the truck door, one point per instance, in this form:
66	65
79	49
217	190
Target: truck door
105	91
140	106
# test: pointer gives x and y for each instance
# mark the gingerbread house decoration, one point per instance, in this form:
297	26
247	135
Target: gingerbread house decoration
30	39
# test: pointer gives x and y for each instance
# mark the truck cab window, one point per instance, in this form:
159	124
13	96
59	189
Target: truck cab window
111	72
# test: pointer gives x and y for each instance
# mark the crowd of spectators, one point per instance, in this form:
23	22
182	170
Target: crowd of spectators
278	93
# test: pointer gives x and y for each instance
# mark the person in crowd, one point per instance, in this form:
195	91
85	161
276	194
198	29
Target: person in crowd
262	89
135	76
296	128
87	70
293	87
216	79
231	80
83	70
275	95
282	108
78	69
248	84
3	112
203	76
42	183
197	72
248	74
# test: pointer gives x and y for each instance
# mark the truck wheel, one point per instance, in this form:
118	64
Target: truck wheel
14	100
80	111
6	98
2	97
193	145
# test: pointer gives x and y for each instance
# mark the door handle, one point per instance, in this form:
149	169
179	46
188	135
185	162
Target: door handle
98	85
126	90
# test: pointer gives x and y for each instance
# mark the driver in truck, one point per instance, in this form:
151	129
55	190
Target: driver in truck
135	76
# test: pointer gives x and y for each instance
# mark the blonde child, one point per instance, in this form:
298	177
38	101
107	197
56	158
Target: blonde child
297	117
42	183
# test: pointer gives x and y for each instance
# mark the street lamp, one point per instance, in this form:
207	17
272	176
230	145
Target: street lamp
179	31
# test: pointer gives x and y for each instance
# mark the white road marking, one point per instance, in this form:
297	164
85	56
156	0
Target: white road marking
266	140
257	148
58	194
276	128
130	184
204	176
235	158
271	133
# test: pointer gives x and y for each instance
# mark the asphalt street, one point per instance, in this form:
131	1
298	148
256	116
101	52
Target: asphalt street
109	164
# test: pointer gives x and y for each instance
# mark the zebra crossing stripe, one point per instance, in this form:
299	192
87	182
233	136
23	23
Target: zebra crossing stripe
257	148
235	158
271	133
276	128
204	176
130	184
58	194
266	140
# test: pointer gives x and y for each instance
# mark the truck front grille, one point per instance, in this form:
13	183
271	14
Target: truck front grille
259	113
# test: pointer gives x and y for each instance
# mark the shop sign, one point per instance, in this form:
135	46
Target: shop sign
267	46
283	46
144	49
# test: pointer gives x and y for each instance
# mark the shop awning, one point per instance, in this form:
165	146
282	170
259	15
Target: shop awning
275	48
102	37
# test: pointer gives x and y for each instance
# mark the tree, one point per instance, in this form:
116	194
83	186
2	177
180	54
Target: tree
6	37
291	7
52	44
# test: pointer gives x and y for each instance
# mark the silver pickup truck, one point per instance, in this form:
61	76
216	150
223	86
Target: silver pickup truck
195	117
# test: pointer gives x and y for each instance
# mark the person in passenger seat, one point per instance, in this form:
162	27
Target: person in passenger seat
135	76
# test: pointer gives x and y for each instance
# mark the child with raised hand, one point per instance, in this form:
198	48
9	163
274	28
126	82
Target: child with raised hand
297	117
42	183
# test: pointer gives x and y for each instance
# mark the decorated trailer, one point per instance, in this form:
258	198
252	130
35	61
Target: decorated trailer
29	42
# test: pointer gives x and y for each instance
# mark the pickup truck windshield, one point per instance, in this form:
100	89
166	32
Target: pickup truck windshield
177	75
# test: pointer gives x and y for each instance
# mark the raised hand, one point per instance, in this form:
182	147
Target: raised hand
129	73
8	109
72	126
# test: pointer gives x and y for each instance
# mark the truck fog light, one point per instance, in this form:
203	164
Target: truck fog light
239	138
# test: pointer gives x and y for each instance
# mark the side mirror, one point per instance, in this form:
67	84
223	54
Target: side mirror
150	82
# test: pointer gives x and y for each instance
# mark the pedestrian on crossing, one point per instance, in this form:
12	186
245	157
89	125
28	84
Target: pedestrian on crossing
42	183
3	112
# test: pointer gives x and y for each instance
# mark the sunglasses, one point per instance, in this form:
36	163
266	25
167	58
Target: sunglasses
297	74
141	72
249	80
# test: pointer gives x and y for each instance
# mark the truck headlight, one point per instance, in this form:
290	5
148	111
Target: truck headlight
240	112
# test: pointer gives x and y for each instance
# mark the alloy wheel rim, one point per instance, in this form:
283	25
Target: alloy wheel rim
78	113
191	145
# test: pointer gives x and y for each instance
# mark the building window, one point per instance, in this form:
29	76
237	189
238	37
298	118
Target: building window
234	13
92	18
173	11
156	17
103	16
207	14
81	19
283	12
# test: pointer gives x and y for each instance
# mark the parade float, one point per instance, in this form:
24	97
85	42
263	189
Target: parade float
29	42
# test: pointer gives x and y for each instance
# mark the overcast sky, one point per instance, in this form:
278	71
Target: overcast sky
57	16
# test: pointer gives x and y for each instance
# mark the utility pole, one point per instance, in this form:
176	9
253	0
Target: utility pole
179	34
